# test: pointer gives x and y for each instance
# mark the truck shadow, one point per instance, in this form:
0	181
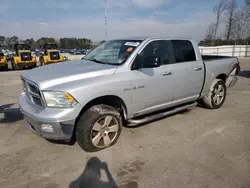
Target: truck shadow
91	176
245	73
9	115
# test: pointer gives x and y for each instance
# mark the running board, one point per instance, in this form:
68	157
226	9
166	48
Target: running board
136	122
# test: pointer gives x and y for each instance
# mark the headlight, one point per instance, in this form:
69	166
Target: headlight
59	99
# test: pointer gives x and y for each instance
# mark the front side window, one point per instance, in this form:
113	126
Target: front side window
156	48
184	51
114	52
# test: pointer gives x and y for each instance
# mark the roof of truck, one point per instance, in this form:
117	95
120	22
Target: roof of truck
154	37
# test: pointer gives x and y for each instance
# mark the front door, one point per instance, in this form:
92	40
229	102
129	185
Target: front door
152	87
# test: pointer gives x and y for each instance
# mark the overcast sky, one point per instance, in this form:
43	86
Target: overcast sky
85	18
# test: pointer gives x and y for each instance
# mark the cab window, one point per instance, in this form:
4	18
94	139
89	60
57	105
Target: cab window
157	48
183	51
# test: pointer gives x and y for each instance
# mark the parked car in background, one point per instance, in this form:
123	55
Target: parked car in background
78	52
124	82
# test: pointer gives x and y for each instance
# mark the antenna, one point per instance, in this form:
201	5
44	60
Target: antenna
105	17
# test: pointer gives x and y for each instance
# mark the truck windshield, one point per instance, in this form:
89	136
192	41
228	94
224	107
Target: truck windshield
114	52
50	46
22	47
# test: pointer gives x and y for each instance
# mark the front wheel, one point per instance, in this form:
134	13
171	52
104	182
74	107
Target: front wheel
99	127
13	65
5	68
216	96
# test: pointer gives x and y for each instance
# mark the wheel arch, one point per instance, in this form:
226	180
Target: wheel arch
110	100
222	77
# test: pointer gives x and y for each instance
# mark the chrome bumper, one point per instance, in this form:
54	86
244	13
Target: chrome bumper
59	122
61	130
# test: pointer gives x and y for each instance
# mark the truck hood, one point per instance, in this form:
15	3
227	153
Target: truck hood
65	72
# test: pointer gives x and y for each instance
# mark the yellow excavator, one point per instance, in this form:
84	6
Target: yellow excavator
3	61
51	54
22	57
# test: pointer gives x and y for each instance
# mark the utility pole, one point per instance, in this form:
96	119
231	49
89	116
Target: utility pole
105	18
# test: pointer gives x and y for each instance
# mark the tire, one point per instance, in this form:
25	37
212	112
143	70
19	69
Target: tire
91	131
32	67
41	60
6	68
215	99
13	65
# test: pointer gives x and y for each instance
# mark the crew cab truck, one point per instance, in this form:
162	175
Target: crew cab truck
3	62
125	82
22	57
51	54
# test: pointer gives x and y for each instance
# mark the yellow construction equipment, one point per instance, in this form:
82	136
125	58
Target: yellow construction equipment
51	54
3	62
23	57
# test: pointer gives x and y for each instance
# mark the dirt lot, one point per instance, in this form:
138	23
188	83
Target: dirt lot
199	148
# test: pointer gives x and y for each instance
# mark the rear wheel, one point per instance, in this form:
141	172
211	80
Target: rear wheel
216	96
98	128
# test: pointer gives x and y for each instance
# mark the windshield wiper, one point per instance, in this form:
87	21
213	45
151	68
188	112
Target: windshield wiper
96	61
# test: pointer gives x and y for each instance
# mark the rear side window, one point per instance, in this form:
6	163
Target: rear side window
184	51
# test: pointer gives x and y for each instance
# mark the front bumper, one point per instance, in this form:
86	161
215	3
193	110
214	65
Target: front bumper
61	120
54	61
26	63
3	64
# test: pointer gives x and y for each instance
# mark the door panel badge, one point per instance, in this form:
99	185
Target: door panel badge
134	88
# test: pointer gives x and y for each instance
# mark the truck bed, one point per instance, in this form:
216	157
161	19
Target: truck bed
215	66
214	57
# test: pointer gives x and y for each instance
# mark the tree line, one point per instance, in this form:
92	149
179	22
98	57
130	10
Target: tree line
236	21
64	43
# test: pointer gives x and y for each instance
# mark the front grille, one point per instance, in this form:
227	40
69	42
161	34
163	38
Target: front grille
33	93
26	56
54	56
37	101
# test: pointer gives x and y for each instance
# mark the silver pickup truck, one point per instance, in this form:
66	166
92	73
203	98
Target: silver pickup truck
125	82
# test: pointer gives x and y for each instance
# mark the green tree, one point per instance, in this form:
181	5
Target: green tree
2	40
45	40
10	41
31	42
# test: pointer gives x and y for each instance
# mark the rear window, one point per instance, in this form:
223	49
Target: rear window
184	51
1	54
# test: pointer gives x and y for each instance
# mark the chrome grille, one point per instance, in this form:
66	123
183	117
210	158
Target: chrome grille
33	93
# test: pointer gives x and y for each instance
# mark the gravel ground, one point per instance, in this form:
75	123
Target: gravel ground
198	148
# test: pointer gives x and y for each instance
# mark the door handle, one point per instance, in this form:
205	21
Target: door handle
166	73
198	69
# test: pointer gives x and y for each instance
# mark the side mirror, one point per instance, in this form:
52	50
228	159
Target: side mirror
148	62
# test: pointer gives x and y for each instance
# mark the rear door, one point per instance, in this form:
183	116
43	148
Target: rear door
188	72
